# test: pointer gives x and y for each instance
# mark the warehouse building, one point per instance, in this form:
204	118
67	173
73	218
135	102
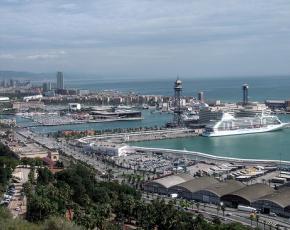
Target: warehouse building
189	189
162	185
213	193
277	202
247	195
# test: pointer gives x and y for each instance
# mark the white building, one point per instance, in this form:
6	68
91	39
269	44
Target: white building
31	98
74	106
4	99
111	149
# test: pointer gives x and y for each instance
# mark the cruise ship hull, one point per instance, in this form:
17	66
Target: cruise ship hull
269	128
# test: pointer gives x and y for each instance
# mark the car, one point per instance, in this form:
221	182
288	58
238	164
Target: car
272	214
7	196
229	214
6	203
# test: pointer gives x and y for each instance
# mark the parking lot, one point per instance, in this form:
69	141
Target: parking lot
13	197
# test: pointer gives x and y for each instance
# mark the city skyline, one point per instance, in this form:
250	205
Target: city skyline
146	38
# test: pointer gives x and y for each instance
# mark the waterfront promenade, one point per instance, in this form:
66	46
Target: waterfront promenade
144	135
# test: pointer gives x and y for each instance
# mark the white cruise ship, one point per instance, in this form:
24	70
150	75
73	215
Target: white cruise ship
229	125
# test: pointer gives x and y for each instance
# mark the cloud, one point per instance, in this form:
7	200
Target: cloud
7	56
200	33
44	56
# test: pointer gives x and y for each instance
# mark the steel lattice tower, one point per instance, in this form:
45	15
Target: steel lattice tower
177	119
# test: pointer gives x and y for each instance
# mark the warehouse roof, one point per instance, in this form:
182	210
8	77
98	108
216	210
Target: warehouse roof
251	193
172	180
281	197
226	187
196	184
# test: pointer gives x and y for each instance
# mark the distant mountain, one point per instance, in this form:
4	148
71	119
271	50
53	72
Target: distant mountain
6	74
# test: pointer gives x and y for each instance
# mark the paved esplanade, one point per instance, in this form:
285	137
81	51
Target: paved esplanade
211	158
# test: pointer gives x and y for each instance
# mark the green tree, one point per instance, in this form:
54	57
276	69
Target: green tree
57	223
44	176
197	204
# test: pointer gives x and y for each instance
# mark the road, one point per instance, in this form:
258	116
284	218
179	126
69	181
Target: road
209	211
17	206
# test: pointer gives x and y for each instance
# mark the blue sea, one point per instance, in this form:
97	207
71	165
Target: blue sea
225	89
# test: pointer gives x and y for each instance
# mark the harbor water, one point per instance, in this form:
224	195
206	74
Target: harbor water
272	145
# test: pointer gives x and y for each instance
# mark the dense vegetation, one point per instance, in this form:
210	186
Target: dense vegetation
55	223
7	164
90	203
105	205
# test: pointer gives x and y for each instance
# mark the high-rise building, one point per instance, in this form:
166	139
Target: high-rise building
12	83
46	86
245	94
201	96
59	80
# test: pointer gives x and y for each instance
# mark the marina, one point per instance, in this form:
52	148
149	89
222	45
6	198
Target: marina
271	145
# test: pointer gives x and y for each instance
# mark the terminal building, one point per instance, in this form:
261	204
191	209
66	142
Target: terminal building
163	184
231	192
247	195
276	104
117	114
277	202
74	106
110	149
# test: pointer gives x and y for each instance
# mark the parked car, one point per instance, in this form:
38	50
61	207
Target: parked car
7	197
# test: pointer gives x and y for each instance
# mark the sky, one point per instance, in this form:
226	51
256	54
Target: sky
146	38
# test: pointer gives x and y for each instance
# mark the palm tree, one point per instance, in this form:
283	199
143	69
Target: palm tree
109	174
223	208
197	204
251	218
257	219
218	207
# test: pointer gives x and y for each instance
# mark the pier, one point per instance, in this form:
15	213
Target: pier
142	135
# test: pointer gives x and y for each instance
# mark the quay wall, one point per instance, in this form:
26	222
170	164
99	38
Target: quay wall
141	135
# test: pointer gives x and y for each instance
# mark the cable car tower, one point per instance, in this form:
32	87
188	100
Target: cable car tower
177	119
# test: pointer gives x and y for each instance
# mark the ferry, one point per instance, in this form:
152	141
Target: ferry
229	125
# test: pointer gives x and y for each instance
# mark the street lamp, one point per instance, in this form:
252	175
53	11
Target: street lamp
222	208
